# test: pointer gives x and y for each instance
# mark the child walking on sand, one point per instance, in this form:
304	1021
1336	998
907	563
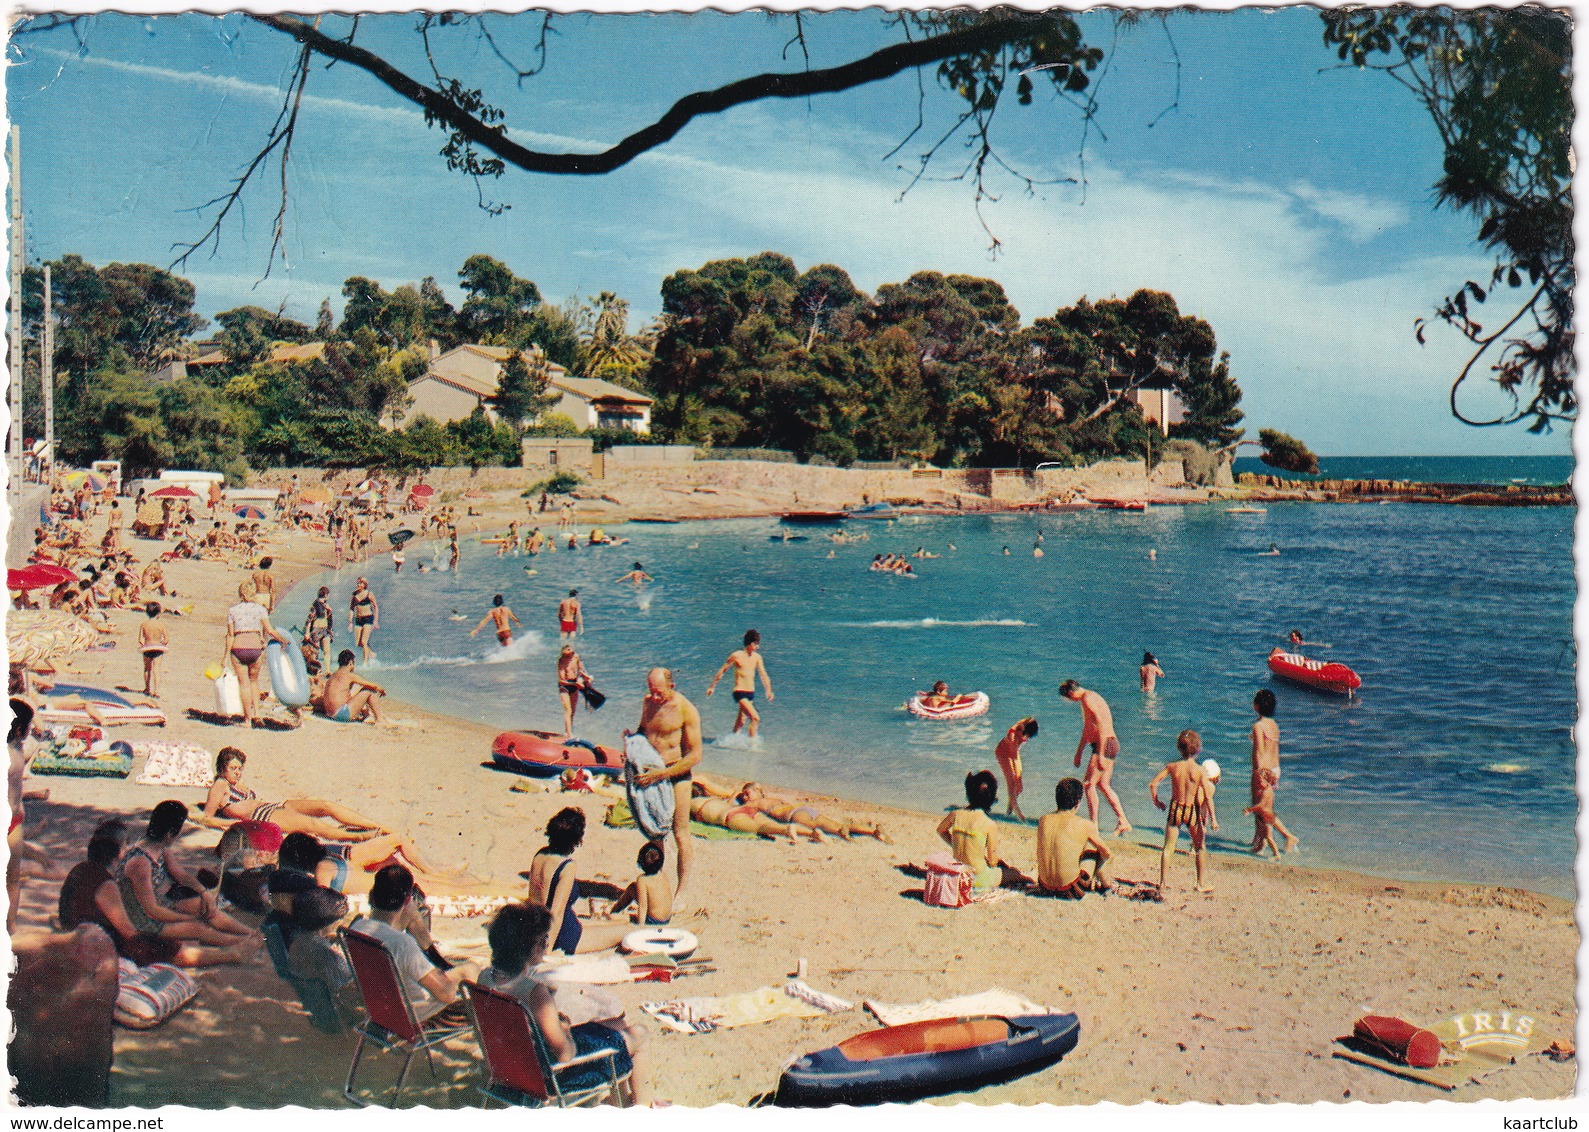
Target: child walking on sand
152	642
651	892
1191	805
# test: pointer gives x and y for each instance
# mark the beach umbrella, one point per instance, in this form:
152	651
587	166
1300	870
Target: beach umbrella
422	490
398	538
248	511
315	495
364	485
38	576
35	635
173	492
95	481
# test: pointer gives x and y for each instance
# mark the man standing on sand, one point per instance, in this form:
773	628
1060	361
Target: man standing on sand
570	617
1097	728
1265	771
503	616
747	664
673	726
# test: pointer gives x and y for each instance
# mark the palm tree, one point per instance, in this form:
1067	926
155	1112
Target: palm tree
611	352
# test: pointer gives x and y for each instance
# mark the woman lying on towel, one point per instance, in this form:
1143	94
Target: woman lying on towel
747	818
346	867
229	800
163	897
751	796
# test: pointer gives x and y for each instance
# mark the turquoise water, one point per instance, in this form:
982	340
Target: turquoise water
1455	762
1431	469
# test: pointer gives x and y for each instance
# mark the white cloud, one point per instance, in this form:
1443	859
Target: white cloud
1361	216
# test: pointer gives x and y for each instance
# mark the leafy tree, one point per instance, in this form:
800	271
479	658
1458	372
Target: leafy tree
441	321
481	443
1287	453
325	327
247	334
1498	84
609	351
524	389
499	305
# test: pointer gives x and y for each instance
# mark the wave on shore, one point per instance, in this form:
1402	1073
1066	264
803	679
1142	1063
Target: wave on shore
522	648
935	623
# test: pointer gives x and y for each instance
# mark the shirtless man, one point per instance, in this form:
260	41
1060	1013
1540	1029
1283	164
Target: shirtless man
503	616
1265	773
673	727
570	617
1097	728
348	698
1065	840
747	665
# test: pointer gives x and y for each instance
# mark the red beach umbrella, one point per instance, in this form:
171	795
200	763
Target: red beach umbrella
38	577
174	492
423	490
248	511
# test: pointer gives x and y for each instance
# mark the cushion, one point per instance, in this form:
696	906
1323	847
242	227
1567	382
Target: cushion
150	995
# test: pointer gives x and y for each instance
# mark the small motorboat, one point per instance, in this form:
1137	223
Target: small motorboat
961	707
1328	677
926	1059
545	753
875	511
814	516
1246	510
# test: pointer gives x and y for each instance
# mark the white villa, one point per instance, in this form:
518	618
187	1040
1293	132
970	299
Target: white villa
466	376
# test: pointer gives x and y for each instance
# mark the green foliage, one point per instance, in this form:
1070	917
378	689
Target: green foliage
499	306
1498	84
1200	465
248	333
553	425
524	388
558	483
1287	453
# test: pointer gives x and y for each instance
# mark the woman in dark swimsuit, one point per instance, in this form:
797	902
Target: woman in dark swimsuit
162	897
364	617
554	884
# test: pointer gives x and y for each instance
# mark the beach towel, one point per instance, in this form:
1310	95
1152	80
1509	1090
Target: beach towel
464	907
77	759
995	1000
1472	1046
619	816
591	970
652	805
174	762
705	1015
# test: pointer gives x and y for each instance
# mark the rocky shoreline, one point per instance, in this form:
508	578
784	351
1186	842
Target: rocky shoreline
1275	488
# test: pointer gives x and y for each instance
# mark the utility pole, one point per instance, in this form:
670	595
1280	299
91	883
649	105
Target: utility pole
47	373
14	322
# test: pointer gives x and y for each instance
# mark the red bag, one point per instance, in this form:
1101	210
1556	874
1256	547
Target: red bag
948	883
1399	1040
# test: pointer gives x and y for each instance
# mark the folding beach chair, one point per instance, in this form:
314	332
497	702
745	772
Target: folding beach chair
519	1067
390	1021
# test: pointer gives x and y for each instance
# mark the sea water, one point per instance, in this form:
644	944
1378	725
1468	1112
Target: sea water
1455	761
1530	470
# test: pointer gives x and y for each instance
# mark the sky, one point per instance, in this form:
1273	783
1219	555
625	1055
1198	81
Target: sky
1285	200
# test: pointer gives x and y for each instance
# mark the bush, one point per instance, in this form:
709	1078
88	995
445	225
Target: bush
558	483
1287	453
605	438
1200	464
555	425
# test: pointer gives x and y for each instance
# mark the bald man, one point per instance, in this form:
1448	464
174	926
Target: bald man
673	726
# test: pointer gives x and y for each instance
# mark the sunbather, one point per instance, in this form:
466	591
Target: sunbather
751	795
229	800
971	834
571	1026
162	896
745	818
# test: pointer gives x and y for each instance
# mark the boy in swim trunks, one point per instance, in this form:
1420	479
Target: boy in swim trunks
570	617
1098	729
747	665
650	892
348	698
1065	841
502	615
1191	805
1008	752
152	643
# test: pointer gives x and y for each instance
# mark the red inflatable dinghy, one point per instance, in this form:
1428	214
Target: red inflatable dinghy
1332	677
545	753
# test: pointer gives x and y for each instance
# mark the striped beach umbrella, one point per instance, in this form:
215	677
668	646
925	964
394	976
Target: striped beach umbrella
248	511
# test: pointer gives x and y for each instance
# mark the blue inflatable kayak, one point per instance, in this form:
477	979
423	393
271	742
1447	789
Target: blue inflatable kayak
927	1059
652	805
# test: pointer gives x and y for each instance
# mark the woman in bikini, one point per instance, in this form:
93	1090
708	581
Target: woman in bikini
364	617
743	817
247	626
801	814
345	866
971	834
152	643
229	800
554	883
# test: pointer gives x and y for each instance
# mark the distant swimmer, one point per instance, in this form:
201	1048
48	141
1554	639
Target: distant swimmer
1150	672
573	541
1295	638
456	616
951	546
1006	550
1272	552
570	617
939	697
747	664
1039	539
637	575
1153	555
1037	549
923	552
531	570
1098	729
504	619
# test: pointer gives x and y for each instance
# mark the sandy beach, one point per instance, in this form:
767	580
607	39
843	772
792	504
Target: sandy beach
1233	997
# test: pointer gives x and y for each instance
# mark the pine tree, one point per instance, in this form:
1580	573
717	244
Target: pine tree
325	325
524	388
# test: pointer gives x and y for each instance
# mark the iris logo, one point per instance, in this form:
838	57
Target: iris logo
1478	1029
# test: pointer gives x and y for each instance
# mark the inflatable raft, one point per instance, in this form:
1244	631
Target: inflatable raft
963	707
544	753
1331	677
927	1059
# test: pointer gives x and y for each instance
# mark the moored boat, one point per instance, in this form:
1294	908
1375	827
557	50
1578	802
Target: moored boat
927	1059
814	516
544	753
875	511
1329	677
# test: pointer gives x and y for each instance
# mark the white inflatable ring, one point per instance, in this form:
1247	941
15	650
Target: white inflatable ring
966	707
676	943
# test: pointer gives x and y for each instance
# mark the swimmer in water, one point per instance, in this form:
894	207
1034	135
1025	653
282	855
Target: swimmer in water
1272	552
504	618
1153	556
456	616
1150	672
1037	548
637	575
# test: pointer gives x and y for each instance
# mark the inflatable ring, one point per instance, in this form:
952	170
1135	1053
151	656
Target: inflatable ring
675	943
964	707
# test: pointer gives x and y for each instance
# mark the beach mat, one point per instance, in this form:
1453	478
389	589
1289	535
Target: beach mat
619	816
995	1000
1468	1054
708	1014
